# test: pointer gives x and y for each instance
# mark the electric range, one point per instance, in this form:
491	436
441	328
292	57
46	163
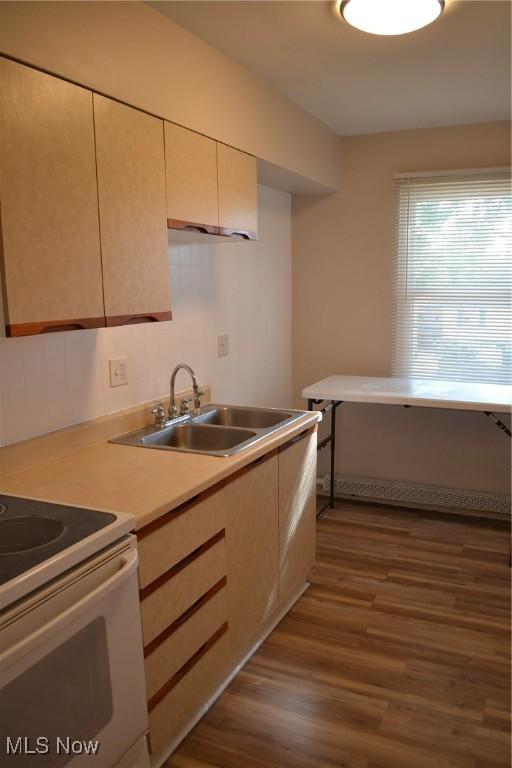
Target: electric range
71	648
40	540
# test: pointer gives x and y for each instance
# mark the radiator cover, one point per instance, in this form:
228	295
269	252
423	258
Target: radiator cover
398	491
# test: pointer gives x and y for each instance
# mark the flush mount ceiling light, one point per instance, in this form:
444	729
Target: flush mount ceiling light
389	17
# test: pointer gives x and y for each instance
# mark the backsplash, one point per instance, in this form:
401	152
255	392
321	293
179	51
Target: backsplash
239	288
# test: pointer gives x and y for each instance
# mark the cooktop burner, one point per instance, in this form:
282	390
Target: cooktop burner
21	534
34	531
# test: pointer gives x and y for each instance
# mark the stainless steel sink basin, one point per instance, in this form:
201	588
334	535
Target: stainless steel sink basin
249	418
195	437
218	430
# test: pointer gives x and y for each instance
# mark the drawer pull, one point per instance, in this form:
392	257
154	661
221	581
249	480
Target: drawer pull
144	593
187	506
180	674
172	628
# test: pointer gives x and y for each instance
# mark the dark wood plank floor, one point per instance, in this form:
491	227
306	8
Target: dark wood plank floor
396	657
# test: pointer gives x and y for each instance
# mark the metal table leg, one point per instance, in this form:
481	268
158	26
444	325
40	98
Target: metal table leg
492	416
498	423
331	438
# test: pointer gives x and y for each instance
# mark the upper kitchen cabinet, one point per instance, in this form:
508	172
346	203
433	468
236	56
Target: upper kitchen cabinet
191	176
238	193
131	194
211	188
51	260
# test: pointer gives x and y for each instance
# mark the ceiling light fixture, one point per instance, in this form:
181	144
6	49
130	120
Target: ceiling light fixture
389	17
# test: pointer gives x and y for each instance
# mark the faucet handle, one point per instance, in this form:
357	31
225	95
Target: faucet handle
159	414
184	407
200	391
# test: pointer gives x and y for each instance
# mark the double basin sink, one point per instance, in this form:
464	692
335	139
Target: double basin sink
218	430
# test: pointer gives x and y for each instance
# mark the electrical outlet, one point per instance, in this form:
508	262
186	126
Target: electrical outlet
118	371
223	345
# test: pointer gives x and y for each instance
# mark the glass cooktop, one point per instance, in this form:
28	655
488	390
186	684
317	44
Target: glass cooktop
34	531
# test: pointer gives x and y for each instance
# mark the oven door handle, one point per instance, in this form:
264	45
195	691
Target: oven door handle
14	653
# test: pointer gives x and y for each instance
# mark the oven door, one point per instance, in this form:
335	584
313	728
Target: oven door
71	668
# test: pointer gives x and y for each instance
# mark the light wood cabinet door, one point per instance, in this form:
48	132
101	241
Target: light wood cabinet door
131	191
238	193
51	259
251	499
297	512
191	178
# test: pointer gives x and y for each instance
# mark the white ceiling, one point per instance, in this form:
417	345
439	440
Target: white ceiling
456	70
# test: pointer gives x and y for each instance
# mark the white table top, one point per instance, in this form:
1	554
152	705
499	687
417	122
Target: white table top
429	393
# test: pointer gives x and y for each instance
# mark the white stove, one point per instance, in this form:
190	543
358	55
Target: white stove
71	661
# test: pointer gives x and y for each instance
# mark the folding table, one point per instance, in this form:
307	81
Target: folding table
331	392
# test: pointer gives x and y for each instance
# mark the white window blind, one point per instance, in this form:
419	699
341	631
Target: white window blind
453	312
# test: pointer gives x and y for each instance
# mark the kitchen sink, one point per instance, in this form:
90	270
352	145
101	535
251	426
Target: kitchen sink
249	418
195	437
218	430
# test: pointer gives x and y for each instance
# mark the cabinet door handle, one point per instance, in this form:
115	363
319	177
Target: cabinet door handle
294	440
243	235
63	327
191	228
142	319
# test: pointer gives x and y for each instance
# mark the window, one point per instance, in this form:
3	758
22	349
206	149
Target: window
454	277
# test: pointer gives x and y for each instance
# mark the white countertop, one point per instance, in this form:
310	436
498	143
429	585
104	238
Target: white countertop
429	393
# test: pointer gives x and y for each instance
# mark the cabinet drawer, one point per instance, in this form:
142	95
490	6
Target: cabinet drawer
178	589
175	713
184	638
172	537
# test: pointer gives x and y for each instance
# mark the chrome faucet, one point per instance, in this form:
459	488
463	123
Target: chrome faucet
173	411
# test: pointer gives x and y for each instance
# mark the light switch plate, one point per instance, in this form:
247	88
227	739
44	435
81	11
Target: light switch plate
118	371
223	345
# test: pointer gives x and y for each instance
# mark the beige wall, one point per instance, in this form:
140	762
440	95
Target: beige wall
343	258
131	52
51	381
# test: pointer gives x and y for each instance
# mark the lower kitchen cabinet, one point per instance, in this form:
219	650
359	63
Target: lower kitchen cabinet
171	538
251	498
215	574
173	716
297	512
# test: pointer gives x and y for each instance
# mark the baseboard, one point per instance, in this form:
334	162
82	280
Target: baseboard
432	497
159	760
